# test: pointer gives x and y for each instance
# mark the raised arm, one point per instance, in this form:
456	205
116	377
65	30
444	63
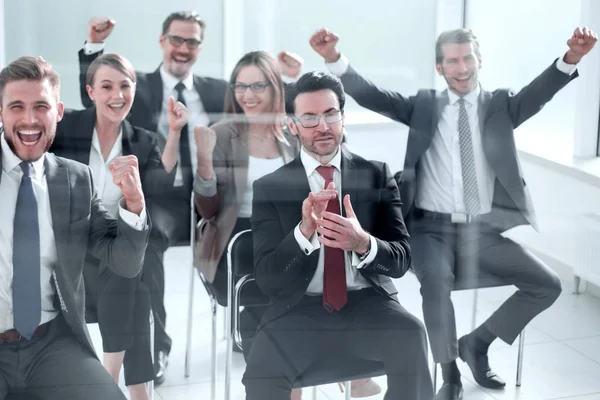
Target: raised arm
388	103
99	28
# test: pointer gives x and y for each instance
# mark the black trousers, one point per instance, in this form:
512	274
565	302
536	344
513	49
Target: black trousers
170	216
54	366
369	327
124	322
438	247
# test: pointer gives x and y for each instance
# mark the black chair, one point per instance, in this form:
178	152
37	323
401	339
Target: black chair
240	265
251	297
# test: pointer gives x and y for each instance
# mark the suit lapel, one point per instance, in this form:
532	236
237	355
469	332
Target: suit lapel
156	91
350	179
59	192
127	138
239	152
482	108
441	100
84	136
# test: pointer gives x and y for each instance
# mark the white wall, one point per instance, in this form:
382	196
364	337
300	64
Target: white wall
57	29
519	38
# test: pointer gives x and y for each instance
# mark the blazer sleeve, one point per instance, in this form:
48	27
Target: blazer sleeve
278	259
156	180
387	103
84	63
209	206
113	241
530	100
393	250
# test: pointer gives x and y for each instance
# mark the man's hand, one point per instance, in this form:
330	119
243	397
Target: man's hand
178	115
126	176
290	64
581	43
99	28
343	233
324	42
313	208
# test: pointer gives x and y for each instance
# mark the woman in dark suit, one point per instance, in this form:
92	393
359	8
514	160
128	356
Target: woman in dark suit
252	142
99	137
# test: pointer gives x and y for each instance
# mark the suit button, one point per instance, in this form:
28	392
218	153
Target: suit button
287	307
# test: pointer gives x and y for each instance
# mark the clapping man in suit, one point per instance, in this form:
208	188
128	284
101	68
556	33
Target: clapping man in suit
462	186
327	272
181	42
51	220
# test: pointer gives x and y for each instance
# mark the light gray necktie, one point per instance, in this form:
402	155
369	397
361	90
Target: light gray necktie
467	162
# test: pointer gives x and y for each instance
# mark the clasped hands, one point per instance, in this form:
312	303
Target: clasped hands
333	230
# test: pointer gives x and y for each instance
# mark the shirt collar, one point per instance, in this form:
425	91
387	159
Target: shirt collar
470	98
116	149
169	81
10	160
311	164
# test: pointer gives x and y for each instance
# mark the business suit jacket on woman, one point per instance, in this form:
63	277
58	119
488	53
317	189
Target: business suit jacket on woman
221	211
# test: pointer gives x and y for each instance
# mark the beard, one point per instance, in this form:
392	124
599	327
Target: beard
11	137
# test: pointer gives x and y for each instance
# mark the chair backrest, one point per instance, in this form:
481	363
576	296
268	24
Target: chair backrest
240	253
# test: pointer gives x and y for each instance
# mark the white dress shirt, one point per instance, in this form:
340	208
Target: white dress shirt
440	183
257	168
197	114
354	279
107	190
9	189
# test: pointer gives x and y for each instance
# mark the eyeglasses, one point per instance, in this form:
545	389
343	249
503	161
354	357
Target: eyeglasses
177	41
311	121
256	87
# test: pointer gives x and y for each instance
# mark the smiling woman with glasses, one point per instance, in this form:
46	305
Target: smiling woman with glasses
250	143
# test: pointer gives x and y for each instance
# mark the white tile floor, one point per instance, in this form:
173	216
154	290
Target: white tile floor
562	351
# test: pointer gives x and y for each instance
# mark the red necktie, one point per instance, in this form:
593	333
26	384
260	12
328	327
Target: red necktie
335	293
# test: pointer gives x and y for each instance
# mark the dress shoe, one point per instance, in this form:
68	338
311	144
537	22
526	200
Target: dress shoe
449	391
479	365
161	362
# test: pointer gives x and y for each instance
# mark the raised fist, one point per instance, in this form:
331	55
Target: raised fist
323	42
99	28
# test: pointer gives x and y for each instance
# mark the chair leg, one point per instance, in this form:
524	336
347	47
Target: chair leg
520	357
474	316
150	385
213	350
314	393
190	323
228	332
348	390
577	284
224	323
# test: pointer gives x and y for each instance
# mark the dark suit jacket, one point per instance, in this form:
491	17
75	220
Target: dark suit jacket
74	141
147	103
83	226
283	271
500	112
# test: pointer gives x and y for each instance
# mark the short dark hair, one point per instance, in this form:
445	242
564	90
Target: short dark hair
185	16
313	82
456	36
29	69
112	60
